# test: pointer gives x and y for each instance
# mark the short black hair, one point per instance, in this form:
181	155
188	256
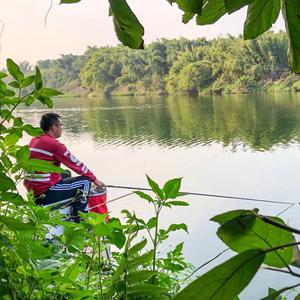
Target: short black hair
48	120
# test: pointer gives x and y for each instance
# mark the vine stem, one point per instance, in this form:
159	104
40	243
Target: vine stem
99	265
127	245
31	289
157	210
90	267
279	225
280	247
12	294
15	106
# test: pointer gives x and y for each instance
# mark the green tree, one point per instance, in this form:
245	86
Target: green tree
100	70
194	77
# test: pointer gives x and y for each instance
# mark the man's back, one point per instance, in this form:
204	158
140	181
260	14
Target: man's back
43	147
50	149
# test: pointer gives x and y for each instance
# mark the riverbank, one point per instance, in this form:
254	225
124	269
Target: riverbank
290	83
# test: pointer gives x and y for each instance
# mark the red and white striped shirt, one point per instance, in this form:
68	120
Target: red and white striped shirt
48	148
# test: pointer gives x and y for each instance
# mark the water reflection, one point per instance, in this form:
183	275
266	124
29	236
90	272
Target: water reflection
259	122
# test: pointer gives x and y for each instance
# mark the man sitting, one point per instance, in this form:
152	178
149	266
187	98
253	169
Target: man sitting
53	188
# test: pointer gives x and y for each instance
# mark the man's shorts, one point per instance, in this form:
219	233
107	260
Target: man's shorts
69	192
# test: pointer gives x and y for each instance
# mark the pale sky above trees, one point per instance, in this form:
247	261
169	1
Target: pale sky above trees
71	28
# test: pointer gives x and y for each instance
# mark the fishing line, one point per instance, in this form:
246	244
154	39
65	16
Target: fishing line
109	201
100	204
206	263
207	195
283	211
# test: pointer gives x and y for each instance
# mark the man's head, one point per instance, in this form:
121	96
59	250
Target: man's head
51	124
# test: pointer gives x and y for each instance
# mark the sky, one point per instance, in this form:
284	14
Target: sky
71	28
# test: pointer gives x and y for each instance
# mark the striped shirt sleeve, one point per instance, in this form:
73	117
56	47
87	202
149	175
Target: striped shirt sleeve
63	155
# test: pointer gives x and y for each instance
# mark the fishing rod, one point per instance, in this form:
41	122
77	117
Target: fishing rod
206	195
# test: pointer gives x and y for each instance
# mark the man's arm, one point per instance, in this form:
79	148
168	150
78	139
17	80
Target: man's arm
63	155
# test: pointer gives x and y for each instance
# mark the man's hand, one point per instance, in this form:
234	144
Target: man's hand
99	184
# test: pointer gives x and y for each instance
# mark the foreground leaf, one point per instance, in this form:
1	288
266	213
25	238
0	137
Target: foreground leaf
261	15
142	290
225	281
139	276
250	232
117	238
27	81
23	154
3	75
178	203
144	196
6	183
11	197
33	131
137	247
297	297
14	224
38	82
152	223
171	188
290	12
187	16
232	6
41	165
190	6
127	27
50	92
69	1
230	215
47	264
14	70
140	260
11	139
155	188
175	227
211	12
273	294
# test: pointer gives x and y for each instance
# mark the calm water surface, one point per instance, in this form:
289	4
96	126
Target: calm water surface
233	145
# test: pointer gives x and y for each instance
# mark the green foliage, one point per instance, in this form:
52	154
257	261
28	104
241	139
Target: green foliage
69	1
222	65
232	6
190	6
248	231
71	266
14	70
261	16
127	27
275	295
290	10
212	11
226	280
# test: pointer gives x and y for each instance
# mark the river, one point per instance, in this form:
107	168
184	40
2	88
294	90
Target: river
240	145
